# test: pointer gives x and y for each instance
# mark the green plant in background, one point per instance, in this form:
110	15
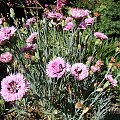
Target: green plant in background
108	12
110	18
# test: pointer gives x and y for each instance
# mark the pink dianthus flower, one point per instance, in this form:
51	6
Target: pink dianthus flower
56	68
78	13
68	19
32	37
95	69
97	66
13	87
52	15
111	80
89	21
69	26
100	35
79	71
6	57
6	33
82	26
99	63
30	21
60	4
3	38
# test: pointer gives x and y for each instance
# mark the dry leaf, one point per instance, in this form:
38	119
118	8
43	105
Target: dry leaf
110	65
112	60
96	14
78	105
85	110
118	65
99	90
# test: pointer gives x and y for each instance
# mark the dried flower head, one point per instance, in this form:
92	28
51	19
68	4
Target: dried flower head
78	105
112	60
118	65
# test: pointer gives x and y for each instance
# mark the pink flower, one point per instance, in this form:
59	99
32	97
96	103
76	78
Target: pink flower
13	87
78	13
28	47
68	19
69	26
97	66
32	37
95	69
111	80
60	4
6	57
82	26
90	58
56	68
100	35
52	15
89	21
8	31
99	63
79	71
30	21
3	38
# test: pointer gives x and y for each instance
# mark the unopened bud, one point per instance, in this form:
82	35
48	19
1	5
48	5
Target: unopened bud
98	42
12	13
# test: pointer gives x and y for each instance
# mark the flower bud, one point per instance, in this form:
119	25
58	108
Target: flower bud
12	13
98	42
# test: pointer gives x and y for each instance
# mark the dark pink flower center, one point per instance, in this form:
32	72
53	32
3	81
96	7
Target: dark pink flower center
78	71
13	87
8	32
60	68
